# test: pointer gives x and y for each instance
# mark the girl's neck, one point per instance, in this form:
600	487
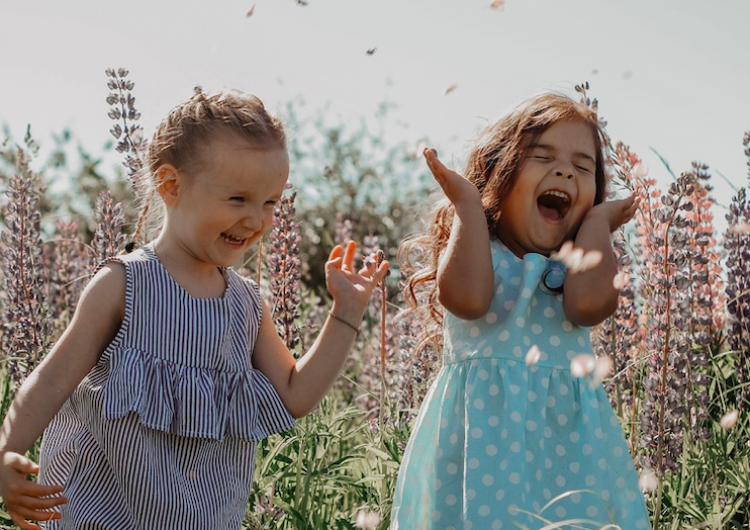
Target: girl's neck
199	279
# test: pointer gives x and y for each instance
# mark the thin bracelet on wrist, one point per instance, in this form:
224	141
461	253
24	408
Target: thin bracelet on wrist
355	328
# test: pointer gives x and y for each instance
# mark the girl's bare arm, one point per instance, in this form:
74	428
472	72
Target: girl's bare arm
96	321
590	295
464	276
302	384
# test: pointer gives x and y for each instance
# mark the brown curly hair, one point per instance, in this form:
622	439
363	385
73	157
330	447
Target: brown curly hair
492	166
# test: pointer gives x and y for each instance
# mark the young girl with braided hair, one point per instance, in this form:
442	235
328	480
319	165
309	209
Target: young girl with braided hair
171	369
507	436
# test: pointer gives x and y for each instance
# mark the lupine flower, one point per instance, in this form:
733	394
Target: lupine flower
109	237
648	481
284	270
25	322
127	132
737	245
68	263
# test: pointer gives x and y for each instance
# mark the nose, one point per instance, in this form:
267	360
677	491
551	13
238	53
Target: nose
253	219
565	174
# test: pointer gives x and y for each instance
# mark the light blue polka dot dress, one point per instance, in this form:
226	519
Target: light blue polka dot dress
497	441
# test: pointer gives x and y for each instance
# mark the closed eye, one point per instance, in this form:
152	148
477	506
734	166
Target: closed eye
584	168
237	198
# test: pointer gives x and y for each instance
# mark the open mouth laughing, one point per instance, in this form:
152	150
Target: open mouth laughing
553	205
232	240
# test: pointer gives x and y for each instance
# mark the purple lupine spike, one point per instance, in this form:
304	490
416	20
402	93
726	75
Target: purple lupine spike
737	246
284	270
68	263
126	130
25	320
109	237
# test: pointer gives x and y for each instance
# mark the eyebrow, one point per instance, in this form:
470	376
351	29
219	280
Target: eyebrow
551	148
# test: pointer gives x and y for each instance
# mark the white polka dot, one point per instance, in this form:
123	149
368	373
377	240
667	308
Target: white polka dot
474	331
605	495
567	325
488	480
494	390
603	463
504	335
520	322
590	480
514	478
547	493
497	524
531	396
581	341
641	525
515	416
530	425
549	312
599	433
514	389
560	450
592	511
438	484
470	494
504	264
438	453
620	482
515	447
483	375
526	341
515	280
563	389
617	451
478	404
450	499
545	383
575	498
493	421
560	511
631	496
436	515
453	438
560	481
491	450
562	419
476	432
487	351
548	463
513	510
509	305
484	510
536	328
575	467
547	432
473	463
503	465
554	340
503	434
526	293
451	468
500	495
574	437
491	317
587	449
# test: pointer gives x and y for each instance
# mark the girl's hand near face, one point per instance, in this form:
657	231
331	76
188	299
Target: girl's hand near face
614	213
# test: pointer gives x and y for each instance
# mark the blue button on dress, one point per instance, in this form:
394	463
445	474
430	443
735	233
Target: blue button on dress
496	440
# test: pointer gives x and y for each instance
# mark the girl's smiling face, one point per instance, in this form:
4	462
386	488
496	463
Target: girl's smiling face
217	210
553	190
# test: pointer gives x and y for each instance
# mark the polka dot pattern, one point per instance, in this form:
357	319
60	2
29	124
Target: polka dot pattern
496	438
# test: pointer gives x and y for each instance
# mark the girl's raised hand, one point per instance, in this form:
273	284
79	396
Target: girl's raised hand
347	285
23	498
615	213
457	188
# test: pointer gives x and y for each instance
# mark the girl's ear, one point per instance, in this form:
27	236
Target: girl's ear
168	181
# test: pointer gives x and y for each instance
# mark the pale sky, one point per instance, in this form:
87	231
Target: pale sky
669	74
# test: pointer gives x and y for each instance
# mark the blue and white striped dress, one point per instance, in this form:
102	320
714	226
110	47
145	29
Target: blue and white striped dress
162	432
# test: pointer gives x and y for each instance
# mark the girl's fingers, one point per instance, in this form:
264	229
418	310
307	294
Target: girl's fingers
335	252
351	247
